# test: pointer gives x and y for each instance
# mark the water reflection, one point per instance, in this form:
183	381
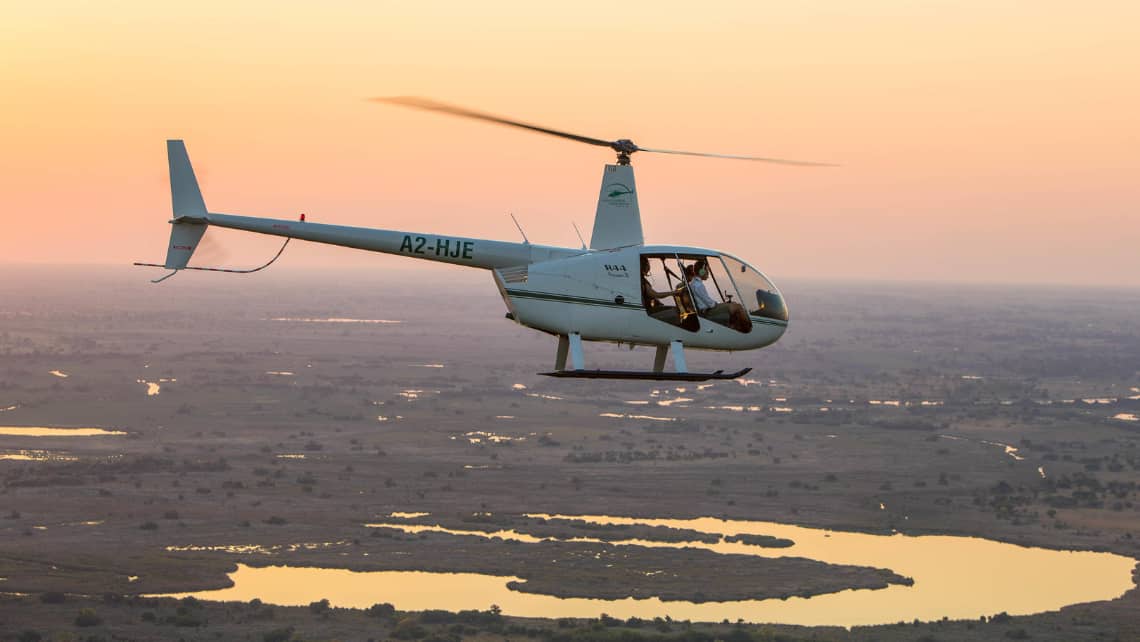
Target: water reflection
479	436
154	387
36	431
1008	449
618	415
258	549
333	320
35	455
956	577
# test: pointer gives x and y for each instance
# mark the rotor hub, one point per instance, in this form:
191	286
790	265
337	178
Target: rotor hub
624	147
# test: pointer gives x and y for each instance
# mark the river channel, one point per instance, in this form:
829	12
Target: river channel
955	577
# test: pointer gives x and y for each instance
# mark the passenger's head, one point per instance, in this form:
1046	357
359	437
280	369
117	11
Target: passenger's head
702	269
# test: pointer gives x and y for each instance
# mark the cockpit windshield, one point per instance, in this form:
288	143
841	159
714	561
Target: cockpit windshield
759	296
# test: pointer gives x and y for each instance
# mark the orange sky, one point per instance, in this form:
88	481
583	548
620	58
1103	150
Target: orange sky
991	141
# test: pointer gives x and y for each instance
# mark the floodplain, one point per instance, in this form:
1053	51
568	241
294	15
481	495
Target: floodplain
980	442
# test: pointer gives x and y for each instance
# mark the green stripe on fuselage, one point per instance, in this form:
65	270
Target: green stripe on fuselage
605	303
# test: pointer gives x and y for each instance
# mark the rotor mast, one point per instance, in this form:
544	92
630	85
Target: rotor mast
624	147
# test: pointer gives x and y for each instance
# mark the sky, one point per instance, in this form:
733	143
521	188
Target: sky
978	141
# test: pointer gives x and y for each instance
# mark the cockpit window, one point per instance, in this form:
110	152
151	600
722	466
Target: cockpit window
757	293
663	292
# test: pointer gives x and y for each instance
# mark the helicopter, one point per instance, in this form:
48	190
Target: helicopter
605	292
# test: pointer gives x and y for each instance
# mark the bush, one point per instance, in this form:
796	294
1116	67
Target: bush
278	635
381	610
408	629
88	617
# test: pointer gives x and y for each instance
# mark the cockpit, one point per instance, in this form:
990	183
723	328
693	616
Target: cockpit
683	288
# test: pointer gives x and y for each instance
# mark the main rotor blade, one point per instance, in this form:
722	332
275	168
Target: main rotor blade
431	105
759	159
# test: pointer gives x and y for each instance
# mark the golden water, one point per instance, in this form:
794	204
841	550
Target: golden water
956	577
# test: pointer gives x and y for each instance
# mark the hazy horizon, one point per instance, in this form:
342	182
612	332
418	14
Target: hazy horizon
394	269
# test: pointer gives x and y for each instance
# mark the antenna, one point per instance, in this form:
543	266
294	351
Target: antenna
525	239
579	233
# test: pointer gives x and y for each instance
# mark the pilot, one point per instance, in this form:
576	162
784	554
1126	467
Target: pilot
731	314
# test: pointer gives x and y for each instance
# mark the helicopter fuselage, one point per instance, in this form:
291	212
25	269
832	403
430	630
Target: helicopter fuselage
559	290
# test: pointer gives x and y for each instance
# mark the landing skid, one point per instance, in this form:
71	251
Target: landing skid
571	346
646	375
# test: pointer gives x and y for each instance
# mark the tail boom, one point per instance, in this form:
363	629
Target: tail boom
480	253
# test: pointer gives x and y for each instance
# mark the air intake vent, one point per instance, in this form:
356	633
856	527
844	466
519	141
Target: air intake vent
517	274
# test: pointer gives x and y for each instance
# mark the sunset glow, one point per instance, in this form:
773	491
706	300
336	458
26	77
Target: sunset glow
978	141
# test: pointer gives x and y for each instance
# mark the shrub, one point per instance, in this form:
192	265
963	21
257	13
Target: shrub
381	610
278	635
88	617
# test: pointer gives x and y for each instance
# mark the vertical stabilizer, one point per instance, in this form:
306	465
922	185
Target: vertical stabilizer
189	209
618	220
184	192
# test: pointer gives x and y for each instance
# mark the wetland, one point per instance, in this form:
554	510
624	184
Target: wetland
888	460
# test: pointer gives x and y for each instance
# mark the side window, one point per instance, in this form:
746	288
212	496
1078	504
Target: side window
663	292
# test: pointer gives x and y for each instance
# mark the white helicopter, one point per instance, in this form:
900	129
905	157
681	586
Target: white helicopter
617	290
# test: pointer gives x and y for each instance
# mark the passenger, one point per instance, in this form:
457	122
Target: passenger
701	297
731	314
649	296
